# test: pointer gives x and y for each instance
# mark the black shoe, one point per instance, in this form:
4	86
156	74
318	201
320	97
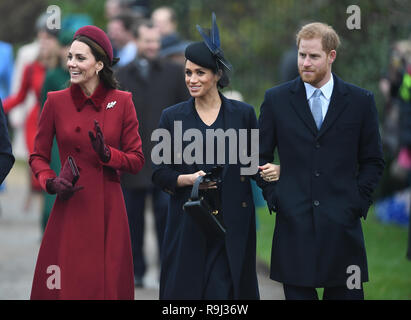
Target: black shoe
138	282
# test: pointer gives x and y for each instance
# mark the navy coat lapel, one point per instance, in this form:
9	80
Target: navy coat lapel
300	104
189	121
337	105
229	122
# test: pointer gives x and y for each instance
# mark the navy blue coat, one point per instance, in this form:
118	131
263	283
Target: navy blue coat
184	246
6	156
326	182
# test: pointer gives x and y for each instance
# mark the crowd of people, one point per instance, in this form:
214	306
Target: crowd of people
98	97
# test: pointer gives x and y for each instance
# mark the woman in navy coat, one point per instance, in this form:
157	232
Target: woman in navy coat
193	264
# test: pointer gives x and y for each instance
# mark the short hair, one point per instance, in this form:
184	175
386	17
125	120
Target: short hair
329	38
128	19
143	22
170	11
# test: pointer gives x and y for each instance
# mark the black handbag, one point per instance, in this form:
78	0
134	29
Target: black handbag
203	213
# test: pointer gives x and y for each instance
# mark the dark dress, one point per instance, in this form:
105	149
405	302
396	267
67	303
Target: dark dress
218	282
193	267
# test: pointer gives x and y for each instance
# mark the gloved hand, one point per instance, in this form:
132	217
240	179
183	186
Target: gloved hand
62	187
98	144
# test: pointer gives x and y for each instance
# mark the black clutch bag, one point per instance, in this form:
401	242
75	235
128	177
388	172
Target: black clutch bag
203	213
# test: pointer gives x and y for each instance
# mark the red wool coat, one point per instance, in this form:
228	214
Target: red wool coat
87	237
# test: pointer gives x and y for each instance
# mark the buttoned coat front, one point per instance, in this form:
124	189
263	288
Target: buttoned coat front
184	246
326	182
87	236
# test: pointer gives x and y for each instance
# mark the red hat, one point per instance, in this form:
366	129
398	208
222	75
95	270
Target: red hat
98	36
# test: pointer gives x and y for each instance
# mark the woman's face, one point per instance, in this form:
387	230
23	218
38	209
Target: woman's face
82	64
199	80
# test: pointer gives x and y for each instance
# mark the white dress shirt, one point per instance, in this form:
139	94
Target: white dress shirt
325	97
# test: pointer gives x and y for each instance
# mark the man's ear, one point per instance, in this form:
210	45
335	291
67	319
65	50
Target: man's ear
332	56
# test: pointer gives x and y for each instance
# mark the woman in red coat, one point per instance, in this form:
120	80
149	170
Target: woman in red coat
86	251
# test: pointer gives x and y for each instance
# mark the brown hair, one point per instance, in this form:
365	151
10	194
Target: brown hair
329	38
106	74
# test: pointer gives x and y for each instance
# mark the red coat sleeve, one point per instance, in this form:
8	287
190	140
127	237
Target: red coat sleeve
20	96
130	158
40	158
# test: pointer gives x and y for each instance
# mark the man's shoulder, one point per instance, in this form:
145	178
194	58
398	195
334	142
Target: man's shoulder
169	66
283	87
356	90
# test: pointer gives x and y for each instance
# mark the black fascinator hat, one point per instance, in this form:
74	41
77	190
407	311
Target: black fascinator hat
208	53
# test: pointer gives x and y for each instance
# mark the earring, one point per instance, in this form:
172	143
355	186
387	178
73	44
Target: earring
96	72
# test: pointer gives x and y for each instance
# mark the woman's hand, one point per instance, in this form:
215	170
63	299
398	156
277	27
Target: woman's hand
270	172
185	180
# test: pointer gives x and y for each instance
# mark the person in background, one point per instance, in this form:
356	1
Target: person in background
32	81
6	68
172	46
120	32
155	84
6	73
56	79
87	236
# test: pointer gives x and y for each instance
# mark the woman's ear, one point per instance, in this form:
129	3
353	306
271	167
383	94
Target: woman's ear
219	74
99	66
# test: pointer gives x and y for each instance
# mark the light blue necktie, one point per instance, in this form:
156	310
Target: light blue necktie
316	108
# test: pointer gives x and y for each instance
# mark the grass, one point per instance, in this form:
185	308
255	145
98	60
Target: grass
389	270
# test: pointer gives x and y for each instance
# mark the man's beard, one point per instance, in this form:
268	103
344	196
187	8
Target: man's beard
314	78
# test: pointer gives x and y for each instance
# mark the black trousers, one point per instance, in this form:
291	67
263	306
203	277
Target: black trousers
330	293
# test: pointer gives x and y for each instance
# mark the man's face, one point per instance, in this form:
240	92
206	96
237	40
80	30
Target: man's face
117	33
314	64
148	42
162	20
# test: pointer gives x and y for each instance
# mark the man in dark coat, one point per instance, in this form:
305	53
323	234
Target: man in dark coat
329	146
155	85
6	156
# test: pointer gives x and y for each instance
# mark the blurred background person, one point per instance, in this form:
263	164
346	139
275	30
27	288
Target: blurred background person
154	84
6	68
120	32
56	79
395	86
32	81
6	73
172	46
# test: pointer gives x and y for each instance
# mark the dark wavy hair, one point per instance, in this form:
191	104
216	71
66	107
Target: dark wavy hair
106	74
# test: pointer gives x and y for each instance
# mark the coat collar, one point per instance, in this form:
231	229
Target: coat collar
225	103
300	104
229	120
96	99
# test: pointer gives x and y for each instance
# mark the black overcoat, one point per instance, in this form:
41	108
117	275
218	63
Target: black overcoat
326	184
184	246
163	87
